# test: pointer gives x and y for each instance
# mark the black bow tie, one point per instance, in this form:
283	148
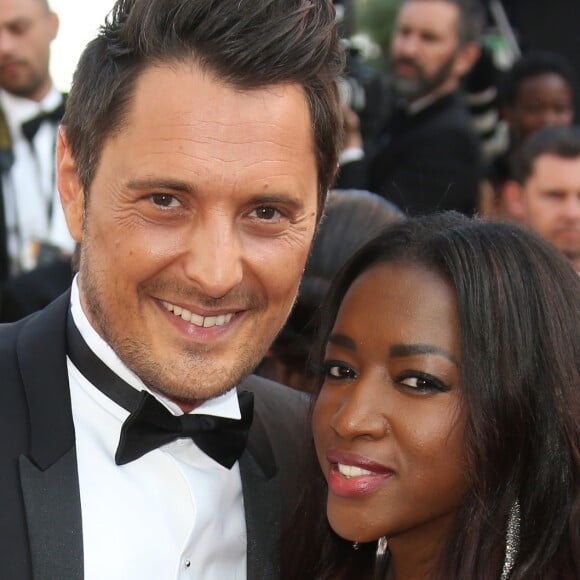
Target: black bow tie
30	128
150	424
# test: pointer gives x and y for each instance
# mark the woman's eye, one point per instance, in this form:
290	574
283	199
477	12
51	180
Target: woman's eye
422	384
164	200
266	213
335	370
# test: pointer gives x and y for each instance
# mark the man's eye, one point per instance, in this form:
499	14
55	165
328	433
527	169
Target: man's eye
266	213
164	200
19	28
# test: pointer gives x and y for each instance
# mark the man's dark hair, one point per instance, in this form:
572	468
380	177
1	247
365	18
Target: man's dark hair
531	65
246	44
471	21
559	141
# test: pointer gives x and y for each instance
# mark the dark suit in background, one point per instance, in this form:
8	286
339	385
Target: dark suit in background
426	161
32	291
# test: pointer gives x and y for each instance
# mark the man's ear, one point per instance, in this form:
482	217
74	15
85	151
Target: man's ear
72	193
513	198
53	24
466	58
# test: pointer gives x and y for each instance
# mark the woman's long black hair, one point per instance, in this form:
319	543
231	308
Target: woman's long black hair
518	301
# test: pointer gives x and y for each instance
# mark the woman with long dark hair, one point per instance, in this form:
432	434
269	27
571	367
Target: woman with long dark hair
447	422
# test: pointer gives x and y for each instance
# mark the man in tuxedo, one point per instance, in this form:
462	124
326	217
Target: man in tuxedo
32	226
428	156
194	158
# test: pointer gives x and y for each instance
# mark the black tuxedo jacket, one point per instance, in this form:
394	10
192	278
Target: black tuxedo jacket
40	512
424	162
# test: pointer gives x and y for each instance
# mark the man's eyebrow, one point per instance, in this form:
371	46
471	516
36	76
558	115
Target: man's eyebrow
404	350
152	183
149	183
342	340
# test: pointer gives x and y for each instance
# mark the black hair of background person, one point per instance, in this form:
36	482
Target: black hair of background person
520	345
548	25
563	142
533	64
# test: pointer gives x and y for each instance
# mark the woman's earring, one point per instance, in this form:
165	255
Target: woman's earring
382	546
355	546
512	542
382	558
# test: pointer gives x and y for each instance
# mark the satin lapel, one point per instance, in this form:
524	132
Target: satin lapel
51	499
49	475
261	491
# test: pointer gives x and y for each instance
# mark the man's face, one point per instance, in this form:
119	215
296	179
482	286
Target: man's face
542	101
551	200
197	228
26	30
425	48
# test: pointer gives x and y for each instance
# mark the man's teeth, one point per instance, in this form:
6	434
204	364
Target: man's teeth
202	321
351	471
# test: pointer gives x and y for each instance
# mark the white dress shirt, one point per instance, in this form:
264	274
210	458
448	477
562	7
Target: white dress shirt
172	514
32	207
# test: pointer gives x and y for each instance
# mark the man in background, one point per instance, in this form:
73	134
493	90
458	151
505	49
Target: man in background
428	157
538	91
545	191
32	225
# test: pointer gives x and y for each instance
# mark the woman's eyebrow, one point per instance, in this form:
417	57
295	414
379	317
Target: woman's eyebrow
342	340
403	350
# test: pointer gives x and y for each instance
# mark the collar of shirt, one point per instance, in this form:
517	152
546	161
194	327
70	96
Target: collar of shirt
421	104
19	109
223	406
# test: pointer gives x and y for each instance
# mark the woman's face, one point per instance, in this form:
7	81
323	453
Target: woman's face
388	423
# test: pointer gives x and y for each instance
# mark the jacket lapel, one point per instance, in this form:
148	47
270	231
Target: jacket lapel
49	477
261	491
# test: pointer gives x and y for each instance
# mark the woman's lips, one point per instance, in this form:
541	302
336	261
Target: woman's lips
353	475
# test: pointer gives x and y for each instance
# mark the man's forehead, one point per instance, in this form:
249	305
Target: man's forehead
552	168
11	10
448	19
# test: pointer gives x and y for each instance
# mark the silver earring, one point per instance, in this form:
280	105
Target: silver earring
382	558
512	541
382	546
355	546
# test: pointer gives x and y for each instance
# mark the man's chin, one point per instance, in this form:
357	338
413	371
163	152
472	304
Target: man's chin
408	89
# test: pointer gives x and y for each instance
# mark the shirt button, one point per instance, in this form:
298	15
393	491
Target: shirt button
187	563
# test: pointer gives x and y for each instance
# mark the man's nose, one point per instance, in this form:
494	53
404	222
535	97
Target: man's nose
572	208
407	45
214	260
6	42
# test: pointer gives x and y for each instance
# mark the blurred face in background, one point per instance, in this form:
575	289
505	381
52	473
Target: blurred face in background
27	27
542	101
549	203
426	55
